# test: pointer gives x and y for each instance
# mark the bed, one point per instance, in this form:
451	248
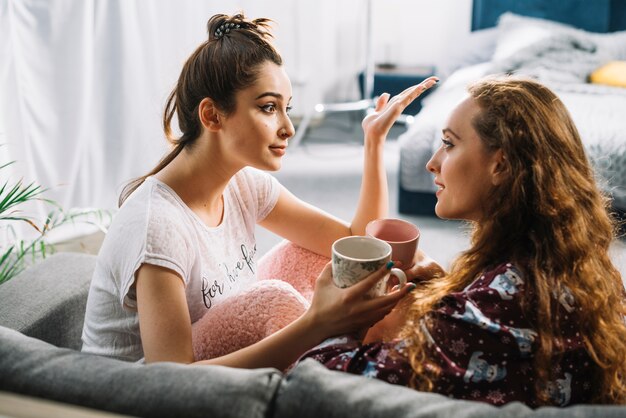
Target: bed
560	43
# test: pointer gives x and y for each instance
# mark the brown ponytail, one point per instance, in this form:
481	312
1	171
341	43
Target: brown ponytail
220	67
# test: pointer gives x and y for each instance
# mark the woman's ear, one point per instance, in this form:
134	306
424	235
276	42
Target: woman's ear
209	115
499	171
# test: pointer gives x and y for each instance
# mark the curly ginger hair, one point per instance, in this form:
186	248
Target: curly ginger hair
549	216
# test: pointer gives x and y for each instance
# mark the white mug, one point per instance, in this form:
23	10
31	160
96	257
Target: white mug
356	257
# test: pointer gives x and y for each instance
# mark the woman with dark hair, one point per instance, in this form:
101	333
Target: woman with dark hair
183	242
534	311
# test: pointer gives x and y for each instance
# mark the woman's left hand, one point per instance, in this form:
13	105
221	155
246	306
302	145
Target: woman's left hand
377	124
388	328
424	268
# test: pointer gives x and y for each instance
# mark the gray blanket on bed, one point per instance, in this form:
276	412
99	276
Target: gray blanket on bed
562	57
563	62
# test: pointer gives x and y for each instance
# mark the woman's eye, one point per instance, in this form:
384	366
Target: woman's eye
269	108
446	144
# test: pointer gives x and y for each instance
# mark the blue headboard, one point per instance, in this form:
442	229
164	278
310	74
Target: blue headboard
591	15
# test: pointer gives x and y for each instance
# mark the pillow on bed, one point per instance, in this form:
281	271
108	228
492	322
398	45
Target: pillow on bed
516	39
613	44
516	33
612	74
552	51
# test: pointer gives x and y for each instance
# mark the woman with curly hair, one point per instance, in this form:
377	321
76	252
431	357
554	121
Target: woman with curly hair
534	311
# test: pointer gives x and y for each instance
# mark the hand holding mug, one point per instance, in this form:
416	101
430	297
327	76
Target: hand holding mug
337	311
355	257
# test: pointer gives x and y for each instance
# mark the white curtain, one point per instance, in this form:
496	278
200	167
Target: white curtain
83	82
79	102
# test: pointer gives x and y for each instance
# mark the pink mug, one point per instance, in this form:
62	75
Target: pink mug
402	235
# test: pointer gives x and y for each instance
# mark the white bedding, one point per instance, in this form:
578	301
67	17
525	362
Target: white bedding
598	111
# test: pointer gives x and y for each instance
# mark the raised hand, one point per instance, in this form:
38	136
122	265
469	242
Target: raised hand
376	125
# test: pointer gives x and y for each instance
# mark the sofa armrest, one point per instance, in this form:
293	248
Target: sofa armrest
34	368
47	301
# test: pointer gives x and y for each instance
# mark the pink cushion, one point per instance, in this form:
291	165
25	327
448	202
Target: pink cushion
294	265
287	276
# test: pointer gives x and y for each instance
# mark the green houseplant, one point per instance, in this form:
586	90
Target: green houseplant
17	253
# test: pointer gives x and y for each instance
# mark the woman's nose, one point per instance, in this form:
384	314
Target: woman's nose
288	130
433	164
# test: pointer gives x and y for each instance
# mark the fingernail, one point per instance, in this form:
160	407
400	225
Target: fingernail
411	286
389	265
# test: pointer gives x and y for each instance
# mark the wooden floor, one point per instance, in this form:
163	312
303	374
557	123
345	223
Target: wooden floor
89	244
18	406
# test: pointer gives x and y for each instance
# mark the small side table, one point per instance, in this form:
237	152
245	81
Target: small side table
394	80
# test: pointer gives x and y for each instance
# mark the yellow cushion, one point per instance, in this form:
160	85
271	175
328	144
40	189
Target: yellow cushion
612	73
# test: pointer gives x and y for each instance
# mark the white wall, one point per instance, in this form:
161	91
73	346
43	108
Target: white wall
416	32
323	42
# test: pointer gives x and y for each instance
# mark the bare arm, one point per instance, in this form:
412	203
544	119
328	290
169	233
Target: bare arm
166	327
164	321
374	195
304	224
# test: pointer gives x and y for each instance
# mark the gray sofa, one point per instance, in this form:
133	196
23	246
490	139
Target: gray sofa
41	316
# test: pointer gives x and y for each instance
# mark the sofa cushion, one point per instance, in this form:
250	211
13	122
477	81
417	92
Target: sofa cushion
311	390
363	397
32	367
47	301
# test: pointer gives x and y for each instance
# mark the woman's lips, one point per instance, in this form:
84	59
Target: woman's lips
279	150
440	188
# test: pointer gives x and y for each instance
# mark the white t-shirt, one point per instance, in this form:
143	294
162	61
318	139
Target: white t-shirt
154	226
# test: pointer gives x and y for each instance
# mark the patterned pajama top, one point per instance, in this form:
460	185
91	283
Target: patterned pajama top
483	343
